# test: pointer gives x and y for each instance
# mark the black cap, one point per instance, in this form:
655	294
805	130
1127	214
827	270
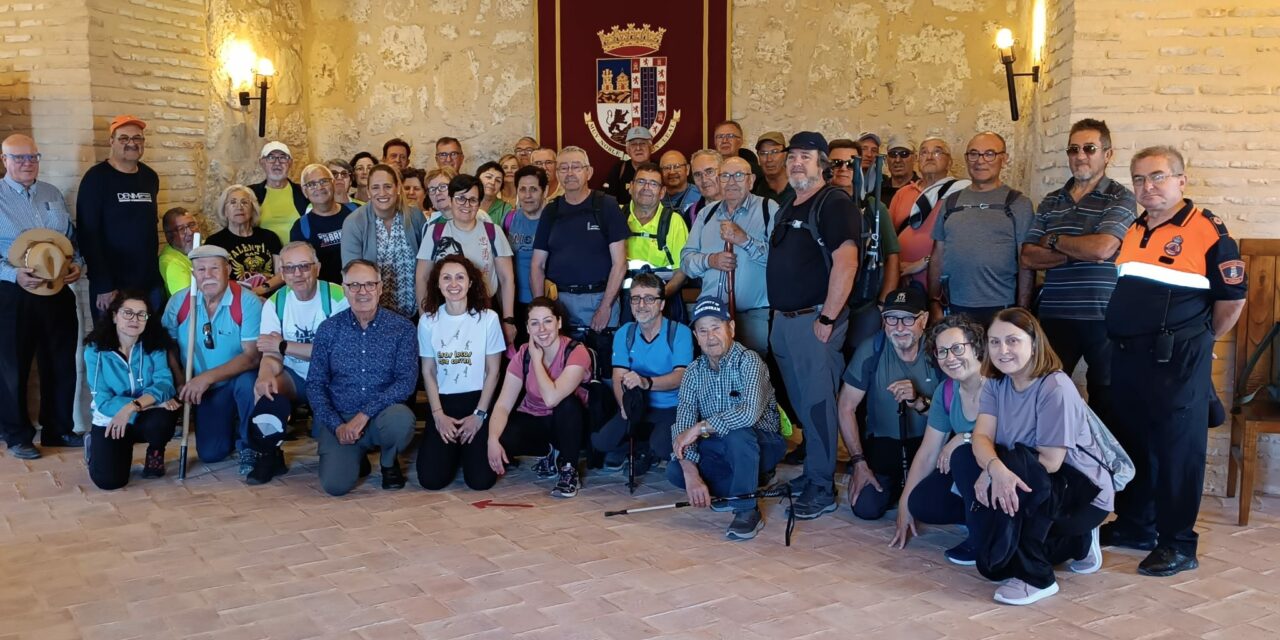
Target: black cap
909	299
809	141
709	306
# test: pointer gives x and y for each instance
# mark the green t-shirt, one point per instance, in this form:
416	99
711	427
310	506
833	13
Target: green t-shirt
175	269
279	212
874	379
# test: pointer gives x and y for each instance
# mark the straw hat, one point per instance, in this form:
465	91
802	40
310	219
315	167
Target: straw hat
47	253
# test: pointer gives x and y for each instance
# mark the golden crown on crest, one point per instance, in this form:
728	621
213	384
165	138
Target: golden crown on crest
631	38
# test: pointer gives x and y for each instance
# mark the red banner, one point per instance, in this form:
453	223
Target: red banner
604	67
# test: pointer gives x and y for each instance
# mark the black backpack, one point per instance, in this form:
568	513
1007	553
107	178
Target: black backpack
595	206
870	278
664	229
811	223
952	205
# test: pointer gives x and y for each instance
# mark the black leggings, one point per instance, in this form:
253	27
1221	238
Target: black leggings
438	461
110	458
528	435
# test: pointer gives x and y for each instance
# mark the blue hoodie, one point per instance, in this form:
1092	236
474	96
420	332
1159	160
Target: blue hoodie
115	382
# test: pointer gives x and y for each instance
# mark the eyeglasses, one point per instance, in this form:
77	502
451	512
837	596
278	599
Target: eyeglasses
893	321
276	158
439	188
208	335
23	157
736	176
845	164
674	167
128	139
341	173
1139	182
316	184
727	136
708	173
183	228
973	155
1088	149
525	151
652	184
899	153
957	350
300	267
571	168
544	164
644	300
130	314
448	155
462	200
362	287
770	153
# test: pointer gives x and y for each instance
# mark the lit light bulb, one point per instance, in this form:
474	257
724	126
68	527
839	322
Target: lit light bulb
1004	39
237	60
265	68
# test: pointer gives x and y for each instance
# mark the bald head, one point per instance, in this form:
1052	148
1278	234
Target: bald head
740	180
21	162
675	171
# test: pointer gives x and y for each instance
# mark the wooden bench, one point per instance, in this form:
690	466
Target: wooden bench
1262	415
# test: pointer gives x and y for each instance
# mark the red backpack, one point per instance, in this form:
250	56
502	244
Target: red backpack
237	313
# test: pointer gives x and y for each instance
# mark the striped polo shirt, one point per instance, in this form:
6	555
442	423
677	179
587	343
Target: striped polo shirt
1080	290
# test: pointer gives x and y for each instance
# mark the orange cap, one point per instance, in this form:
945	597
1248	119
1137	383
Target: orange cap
121	121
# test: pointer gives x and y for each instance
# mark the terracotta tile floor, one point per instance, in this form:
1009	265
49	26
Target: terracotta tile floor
213	558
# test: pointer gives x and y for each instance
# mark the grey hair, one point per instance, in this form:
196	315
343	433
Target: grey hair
300	244
575	149
706	153
1176	162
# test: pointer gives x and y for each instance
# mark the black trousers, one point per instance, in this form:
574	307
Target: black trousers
884	457
655	430
44	329
439	461
111	458
1076	340
528	435
1161	417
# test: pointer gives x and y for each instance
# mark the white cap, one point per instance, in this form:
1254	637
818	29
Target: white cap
275	145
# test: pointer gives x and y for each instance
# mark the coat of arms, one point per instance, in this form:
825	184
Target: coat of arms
631	89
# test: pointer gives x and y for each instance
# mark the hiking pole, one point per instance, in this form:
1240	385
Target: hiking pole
191	348
780	490
903	419
729	284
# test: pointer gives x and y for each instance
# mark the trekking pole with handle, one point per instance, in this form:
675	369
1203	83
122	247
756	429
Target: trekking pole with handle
191	347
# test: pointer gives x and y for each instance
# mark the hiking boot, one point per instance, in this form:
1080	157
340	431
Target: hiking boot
813	503
614	461
1092	561
1165	562
392	477
247	458
1015	591
153	467
745	525
24	451
268	466
796	456
545	467
1112	535
567	485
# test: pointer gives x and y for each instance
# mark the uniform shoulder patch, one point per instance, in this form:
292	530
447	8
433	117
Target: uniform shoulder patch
1216	222
1232	271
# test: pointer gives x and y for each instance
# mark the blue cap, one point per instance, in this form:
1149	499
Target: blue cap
809	141
709	307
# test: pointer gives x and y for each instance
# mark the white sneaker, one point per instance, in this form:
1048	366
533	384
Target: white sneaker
1017	592
1093	560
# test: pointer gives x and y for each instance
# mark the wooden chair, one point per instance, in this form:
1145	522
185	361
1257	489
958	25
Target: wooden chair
1262	415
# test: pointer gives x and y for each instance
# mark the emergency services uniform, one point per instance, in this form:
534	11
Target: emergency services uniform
1160	321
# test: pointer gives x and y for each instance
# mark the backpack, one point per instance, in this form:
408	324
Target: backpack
870	274
922	205
237	311
810	224
635	329
437	233
595	206
600	405
948	393
1273	387
326	301
953	205
508	220
1113	457
664	229
764	212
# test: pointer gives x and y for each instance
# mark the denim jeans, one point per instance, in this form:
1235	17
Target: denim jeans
731	465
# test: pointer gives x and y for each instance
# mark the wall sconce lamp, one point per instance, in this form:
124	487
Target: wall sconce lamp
263	71
1004	42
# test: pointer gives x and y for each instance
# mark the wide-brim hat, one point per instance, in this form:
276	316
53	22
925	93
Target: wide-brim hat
47	253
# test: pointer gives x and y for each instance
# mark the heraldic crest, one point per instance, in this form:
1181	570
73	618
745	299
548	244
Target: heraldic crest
631	88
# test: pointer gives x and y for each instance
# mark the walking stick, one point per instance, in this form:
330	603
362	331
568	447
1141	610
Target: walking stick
191	347
780	490
729	286
903	419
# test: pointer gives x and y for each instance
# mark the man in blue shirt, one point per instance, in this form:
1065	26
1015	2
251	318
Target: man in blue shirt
531	196
34	324
649	358
225	356
364	365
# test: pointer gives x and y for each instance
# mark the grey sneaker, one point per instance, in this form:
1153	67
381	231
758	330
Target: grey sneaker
745	525
567	485
545	467
87	434
1092	561
248	457
813	503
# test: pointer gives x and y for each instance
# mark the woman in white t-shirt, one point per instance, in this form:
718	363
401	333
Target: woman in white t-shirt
461	345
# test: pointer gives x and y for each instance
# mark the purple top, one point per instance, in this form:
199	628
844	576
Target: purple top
1048	413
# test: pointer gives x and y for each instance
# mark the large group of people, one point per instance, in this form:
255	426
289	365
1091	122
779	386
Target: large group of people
725	296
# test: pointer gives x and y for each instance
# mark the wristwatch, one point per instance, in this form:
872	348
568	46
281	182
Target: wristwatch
825	320
481	413
925	408
1053	241
704	432
509	320
967	437
284	345
137	405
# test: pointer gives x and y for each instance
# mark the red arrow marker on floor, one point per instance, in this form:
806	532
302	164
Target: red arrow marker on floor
484	504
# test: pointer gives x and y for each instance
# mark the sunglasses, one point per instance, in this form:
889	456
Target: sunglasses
208	335
1088	149
845	164
899	153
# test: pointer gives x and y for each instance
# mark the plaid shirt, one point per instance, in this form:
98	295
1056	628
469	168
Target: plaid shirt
737	395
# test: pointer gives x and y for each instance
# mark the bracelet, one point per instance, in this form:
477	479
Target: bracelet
855	458
648	383
987	469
